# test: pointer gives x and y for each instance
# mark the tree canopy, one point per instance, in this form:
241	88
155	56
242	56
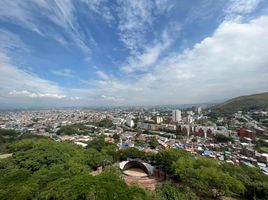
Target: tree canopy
41	168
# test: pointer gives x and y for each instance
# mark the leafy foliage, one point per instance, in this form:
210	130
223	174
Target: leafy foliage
76	129
153	143
105	123
255	182
223	138
169	191
206	178
130	153
166	158
45	169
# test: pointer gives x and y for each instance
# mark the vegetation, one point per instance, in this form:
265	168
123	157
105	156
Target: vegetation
130	152
77	129
169	191
262	146
243	103
105	123
139	143
223	138
44	169
206	178
9	136
41	168
166	158
153	143
116	137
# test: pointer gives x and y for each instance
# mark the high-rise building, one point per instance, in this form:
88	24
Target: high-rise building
199	110
176	115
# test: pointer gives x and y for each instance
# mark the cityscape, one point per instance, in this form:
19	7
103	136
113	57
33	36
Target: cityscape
133	99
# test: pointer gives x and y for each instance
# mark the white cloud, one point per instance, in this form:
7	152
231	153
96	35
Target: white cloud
26	93
239	8
232	62
103	75
225	64
136	19
10	41
111	98
64	72
17	86
34	15
150	55
13	78
75	98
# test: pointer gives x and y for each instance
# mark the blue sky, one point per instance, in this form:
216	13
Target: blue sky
131	52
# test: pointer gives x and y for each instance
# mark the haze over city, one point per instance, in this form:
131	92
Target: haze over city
125	52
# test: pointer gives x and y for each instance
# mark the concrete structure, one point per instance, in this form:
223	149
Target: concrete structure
190	119
130	122
135	163
159	119
246	133
176	115
118	121
199	110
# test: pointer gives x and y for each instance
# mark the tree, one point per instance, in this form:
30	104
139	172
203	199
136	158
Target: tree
98	143
206	178
105	123
22	145
223	138
254	180
16	184
153	143
116	137
130	152
169	191
166	158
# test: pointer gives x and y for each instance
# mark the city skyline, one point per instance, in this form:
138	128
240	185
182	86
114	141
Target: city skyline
121	53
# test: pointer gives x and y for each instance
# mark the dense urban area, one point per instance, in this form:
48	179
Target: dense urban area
135	153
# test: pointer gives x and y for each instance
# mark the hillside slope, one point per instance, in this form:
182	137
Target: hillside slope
244	103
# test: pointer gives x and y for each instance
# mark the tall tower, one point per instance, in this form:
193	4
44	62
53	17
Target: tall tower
176	115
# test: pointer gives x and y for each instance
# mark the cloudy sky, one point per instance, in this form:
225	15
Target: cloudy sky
131	52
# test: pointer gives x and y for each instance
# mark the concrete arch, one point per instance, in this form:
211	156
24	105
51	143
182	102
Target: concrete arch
146	167
136	164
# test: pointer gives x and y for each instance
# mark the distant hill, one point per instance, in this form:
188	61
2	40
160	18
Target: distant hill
244	103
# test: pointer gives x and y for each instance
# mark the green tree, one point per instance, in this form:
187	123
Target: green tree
116	137
206	178
166	158
153	143
169	191
130	152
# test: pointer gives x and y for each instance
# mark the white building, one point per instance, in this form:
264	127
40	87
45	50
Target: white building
130	122
199	110
159	120
176	115
118	121
190	119
190	112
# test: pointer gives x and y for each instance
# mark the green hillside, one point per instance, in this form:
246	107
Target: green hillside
244	103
